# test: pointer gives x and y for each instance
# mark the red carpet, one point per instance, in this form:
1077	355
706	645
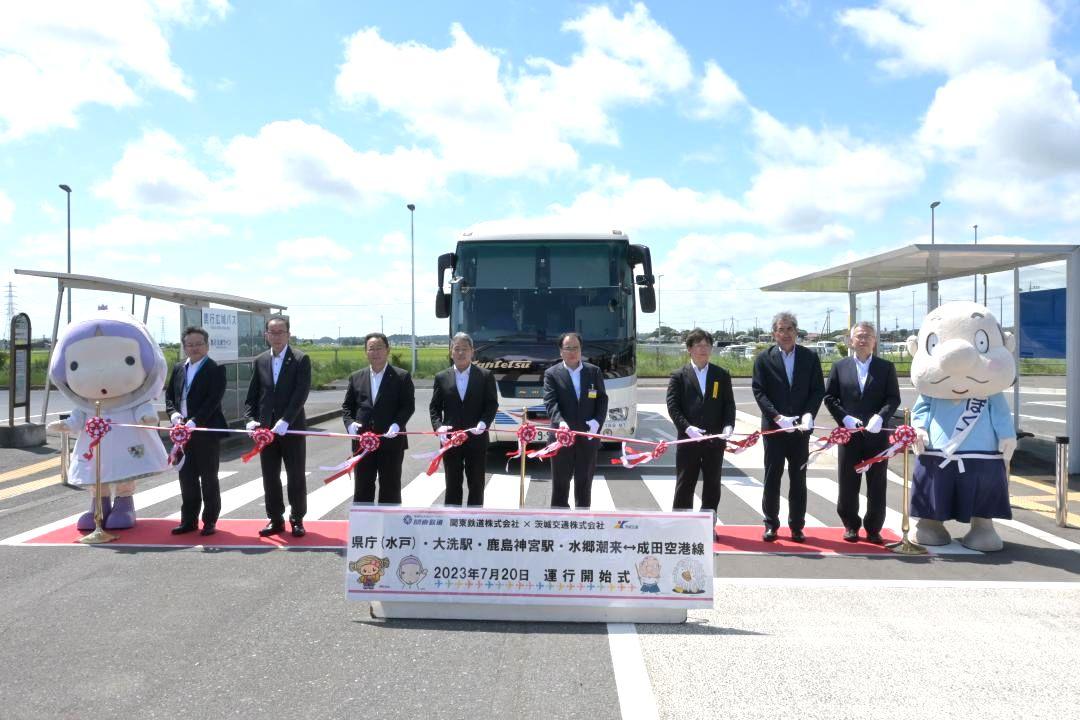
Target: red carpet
330	534
819	541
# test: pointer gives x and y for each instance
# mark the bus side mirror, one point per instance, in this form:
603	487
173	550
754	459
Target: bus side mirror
442	304
647	299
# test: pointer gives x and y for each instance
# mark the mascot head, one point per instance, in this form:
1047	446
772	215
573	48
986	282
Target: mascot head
109	357
961	352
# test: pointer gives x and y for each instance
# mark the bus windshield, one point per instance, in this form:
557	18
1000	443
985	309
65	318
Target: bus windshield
534	291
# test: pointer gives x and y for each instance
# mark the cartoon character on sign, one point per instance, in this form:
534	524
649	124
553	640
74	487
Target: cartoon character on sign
688	577
112	359
961	362
369	569
410	572
648	571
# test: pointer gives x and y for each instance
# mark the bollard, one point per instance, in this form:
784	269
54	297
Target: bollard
1062	481
65	452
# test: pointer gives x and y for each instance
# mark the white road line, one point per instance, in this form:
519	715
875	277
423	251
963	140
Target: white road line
632	684
750	490
1042	419
324	499
502	491
663	492
221	476
601	494
424	490
1049	403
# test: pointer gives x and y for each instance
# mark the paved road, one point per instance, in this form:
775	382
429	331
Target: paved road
209	632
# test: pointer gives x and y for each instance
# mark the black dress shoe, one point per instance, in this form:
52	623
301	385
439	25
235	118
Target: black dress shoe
298	528
798	536
272	528
769	535
851	535
208	529
184	528
875	537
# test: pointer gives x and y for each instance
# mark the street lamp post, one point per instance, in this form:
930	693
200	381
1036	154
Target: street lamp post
932	206
412	281
67	191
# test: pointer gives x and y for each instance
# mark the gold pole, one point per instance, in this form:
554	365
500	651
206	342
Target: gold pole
522	446
99	535
905	546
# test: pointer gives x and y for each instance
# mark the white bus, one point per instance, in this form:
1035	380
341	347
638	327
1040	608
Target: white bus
515	294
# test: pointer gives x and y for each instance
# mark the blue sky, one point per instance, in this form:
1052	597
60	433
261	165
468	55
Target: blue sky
269	149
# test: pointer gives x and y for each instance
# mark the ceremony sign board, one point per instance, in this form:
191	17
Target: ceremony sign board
531	557
221	325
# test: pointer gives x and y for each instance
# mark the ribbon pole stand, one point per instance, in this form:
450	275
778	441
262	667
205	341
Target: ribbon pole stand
99	535
905	546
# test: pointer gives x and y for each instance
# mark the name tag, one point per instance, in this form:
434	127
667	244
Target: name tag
715	389
591	394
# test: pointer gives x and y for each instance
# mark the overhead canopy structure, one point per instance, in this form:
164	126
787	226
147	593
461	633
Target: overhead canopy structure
195	298
930	264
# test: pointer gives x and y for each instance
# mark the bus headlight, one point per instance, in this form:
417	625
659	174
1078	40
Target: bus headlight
618	414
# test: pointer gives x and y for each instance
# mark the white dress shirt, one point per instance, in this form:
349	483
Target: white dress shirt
789	365
376	381
276	361
863	370
462	379
575	378
700	375
189	376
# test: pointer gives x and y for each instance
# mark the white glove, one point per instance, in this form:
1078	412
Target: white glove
852	422
1007	446
787	424
354	428
58	426
727	432
694	432
149	420
251	425
190	424
280	427
176	418
874	425
594	426
443	430
807	422
922	439
479	429
392	432
563	425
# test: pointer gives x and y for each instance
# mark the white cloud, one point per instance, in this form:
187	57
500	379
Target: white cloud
311	248
719	94
808	177
955	36
54	60
500	123
7	208
286	165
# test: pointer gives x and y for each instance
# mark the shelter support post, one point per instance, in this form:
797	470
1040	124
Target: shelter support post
1072	356
52	347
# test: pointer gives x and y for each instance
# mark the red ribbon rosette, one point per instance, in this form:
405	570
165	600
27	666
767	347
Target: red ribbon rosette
262	437
179	434
526	433
563	438
456	439
735	447
96	428
838	436
368	443
902	437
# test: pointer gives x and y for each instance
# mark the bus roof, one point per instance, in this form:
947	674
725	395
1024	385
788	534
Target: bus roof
506	232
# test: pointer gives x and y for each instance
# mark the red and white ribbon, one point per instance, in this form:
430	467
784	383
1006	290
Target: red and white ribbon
96	428
838	436
180	435
262	437
734	447
563	438
632	456
904	436
368	442
456	439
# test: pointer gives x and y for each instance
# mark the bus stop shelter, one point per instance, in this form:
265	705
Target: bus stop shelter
930	264
180	296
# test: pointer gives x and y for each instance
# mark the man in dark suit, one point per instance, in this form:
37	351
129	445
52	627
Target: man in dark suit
862	391
279	387
193	398
788	387
700	402
575	398
464	398
380	399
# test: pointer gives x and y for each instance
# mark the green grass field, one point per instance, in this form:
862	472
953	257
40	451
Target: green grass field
328	364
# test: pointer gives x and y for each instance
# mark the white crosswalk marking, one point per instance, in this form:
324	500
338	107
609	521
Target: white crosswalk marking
750	490
663	491
324	499
424	490
502	491
221	476
601	494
